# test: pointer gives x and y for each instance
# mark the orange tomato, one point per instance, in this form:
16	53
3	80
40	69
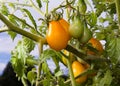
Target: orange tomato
95	44
78	68
57	37
65	25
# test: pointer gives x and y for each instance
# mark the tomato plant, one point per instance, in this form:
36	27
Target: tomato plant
69	25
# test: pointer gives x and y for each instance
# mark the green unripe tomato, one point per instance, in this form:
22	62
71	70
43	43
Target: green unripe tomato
76	28
87	34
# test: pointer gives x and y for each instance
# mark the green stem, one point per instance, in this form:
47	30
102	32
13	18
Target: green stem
88	71
36	8
40	46
24	82
22	21
18	30
71	73
117	2
16	3
47	8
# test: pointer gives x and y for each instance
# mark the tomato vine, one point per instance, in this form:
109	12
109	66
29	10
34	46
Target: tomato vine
75	33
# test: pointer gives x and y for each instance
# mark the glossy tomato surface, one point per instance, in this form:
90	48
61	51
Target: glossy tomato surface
57	37
78	68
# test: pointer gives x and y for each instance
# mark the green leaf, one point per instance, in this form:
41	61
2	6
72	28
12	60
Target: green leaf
20	55
46	82
59	73
113	49
100	6
31	76
4	10
18	66
100	36
103	80
39	3
46	69
12	35
49	53
30	17
92	19
28	44
13	20
12	5
107	79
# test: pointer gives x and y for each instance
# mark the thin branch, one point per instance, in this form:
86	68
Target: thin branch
72	79
18	30
75	51
117	2
36	8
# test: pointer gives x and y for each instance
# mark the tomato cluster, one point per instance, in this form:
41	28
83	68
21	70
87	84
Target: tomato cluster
60	32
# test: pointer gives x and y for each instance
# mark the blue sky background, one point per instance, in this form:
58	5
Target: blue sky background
6	45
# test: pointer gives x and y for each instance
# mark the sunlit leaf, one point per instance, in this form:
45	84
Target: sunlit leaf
4	10
92	19
39	3
31	75
107	79
28	44
113	49
12	35
19	57
30	17
103	80
59	73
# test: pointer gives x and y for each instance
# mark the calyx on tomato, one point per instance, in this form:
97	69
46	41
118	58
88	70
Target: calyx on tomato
76	28
87	34
57	35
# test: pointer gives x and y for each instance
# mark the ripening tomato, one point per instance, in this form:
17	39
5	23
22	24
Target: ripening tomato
65	25
87	35
57	37
76	28
78	68
95	44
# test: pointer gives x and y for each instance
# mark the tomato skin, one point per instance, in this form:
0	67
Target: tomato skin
57	37
87	35
65	25
95	44
76	28
78	68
